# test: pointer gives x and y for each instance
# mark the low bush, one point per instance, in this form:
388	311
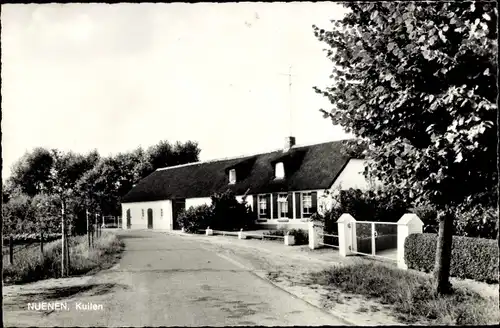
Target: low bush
29	264
410	294
195	218
301	236
472	258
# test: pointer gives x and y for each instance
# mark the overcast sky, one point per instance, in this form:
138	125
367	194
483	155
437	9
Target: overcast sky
113	77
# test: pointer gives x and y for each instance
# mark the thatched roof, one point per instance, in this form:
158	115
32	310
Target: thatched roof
306	168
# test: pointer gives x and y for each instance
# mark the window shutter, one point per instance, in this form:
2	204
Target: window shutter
314	202
255	206
268	207
297	206
290	205
275	206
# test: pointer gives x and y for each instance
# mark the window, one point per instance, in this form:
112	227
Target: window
262	205
280	171
143	213
282	205
306	203
232	176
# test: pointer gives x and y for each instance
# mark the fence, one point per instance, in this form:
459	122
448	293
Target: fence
109	221
288	240
365	238
13	246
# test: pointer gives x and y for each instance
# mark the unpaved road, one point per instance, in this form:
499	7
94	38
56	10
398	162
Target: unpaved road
165	280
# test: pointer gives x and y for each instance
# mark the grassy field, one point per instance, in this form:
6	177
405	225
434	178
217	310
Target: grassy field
29	264
411	295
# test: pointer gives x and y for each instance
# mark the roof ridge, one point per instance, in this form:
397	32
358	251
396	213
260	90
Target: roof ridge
243	156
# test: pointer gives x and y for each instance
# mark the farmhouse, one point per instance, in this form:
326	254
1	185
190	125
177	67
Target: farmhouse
283	187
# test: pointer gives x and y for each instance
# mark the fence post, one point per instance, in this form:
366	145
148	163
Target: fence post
289	239
41	241
11	250
209	232
408	224
240	234
315	234
373	238
347	234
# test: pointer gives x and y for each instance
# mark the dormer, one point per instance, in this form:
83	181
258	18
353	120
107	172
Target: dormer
239	170
232	176
279	170
286	164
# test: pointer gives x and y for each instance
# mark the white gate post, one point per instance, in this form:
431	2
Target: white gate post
347	234
408	224
315	234
209	232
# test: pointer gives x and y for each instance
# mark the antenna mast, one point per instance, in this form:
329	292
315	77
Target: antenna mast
290	96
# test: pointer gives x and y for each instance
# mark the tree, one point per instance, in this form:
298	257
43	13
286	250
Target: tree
418	82
31	172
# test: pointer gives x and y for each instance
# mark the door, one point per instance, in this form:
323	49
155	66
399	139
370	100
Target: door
150	218
178	205
128	219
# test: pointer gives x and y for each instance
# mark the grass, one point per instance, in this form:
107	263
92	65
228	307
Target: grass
29	264
410	295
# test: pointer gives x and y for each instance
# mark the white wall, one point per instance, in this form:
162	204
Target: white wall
140	222
198	201
352	176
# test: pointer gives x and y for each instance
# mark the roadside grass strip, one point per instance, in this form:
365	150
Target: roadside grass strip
410	295
30	265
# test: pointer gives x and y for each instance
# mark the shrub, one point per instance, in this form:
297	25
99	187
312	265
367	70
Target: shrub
195	218
479	221
476	221
472	258
301	236
229	214
370	205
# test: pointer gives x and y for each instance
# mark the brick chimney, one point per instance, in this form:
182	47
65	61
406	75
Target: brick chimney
289	143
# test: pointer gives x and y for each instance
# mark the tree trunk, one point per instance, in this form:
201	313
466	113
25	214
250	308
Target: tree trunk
63	241
442	265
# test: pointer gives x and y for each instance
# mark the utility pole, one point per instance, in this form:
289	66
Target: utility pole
290	96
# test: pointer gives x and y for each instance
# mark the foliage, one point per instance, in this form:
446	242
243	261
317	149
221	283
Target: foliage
225	213
28	238
81	182
379	205
29	265
301	236
229	214
472	258
409	294
195	218
418	82
475	221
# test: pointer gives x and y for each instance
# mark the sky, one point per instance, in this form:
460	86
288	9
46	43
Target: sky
114	77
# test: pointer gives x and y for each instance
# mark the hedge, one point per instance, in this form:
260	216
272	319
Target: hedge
472	258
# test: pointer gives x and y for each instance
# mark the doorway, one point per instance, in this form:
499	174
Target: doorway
178	205
150	218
